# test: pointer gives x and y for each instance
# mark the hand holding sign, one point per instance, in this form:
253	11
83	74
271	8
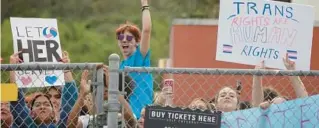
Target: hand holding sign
290	65
264	105
261	65
14	58
65	57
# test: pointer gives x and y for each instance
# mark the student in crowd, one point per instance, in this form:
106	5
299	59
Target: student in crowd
164	97
6	116
227	99
141	120
258	93
30	97
54	92
88	105
130	120
41	113
135	46
200	103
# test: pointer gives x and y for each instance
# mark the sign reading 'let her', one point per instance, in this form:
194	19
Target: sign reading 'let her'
38	40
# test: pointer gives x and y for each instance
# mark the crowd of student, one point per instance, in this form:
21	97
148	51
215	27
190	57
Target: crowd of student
66	106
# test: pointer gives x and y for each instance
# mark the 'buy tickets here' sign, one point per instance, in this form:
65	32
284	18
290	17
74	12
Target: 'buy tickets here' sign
250	31
168	117
38	39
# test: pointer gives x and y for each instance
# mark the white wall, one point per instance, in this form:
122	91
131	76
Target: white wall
314	3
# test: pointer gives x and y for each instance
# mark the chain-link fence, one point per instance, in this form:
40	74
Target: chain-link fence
260	98
292	93
52	95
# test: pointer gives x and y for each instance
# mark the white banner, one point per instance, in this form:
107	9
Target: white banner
38	39
250	31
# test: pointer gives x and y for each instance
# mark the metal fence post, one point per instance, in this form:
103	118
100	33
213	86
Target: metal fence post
99	91
113	103
99	98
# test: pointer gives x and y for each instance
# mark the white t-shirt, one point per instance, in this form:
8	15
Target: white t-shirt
85	119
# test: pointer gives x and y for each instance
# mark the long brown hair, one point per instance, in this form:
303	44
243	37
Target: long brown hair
52	119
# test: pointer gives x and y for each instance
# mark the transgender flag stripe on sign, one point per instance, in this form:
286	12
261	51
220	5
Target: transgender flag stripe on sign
292	54
227	48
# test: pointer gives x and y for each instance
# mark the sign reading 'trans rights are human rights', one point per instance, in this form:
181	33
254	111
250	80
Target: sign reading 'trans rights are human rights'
250	31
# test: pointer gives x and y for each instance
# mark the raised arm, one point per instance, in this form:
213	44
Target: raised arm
69	93
146	27
257	89
84	90
67	73
128	114
296	82
19	109
14	59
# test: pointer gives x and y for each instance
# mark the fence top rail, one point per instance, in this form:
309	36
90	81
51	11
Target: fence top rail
37	66
221	71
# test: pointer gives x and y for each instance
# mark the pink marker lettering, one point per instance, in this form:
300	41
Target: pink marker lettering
235	21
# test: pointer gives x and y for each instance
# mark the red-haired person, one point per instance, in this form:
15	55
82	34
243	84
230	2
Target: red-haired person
134	45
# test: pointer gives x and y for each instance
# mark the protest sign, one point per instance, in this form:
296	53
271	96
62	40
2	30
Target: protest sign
167	117
250	31
299	113
38	39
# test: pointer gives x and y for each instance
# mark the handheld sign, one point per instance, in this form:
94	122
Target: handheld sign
9	92
167	117
38	39
298	113
250	31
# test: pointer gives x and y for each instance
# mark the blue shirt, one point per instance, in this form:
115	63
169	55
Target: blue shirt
143	91
21	113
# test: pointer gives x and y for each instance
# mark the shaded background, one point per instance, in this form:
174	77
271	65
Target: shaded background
87	27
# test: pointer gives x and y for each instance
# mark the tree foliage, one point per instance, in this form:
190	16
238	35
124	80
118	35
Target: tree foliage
87	27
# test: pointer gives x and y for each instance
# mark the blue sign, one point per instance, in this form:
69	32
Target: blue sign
299	113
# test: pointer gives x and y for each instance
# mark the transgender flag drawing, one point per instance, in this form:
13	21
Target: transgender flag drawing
292	54
227	48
